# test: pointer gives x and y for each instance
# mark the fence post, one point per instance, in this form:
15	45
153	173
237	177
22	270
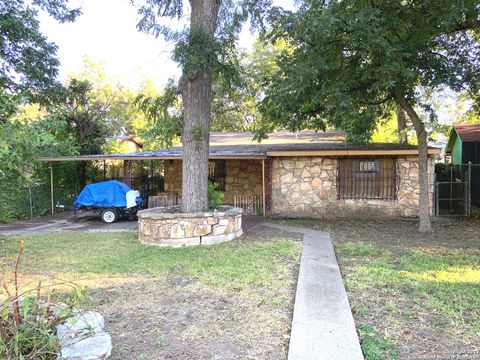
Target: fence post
30	202
437	200
51	188
469	184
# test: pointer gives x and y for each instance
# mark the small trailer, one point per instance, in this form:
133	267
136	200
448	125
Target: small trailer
113	199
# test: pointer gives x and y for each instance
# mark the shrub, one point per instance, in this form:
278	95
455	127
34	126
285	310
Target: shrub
215	198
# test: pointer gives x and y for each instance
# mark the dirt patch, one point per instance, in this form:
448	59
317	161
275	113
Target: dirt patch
177	317
155	320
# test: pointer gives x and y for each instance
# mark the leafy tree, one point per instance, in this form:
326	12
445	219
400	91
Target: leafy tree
354	62
235	104
203	48
25	135
86	118
28	62
164	116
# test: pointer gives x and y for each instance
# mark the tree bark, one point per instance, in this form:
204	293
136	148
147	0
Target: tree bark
401	126
424	201
82	173
197	97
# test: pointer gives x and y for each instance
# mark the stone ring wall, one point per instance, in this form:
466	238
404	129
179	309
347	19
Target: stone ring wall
168	226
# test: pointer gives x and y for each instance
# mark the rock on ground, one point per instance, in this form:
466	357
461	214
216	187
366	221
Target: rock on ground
82	337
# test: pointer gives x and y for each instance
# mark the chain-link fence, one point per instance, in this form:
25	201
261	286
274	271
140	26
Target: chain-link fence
23	199
457	189
452	198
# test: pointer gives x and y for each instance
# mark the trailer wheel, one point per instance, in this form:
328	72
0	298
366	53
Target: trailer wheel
109	216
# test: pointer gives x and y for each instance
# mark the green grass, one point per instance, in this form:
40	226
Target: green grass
375	347
439	281
234	265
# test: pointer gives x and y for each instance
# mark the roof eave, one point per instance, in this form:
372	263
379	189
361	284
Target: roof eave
431	151
451	140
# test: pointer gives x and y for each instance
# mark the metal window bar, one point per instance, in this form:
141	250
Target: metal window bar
364	179
216	173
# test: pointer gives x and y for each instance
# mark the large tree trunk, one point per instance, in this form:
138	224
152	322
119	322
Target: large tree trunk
196	90
401	126
424	202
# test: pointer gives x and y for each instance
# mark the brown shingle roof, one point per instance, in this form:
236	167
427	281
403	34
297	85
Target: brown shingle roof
241	145
468	132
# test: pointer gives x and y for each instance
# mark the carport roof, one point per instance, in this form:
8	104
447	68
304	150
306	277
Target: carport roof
241	146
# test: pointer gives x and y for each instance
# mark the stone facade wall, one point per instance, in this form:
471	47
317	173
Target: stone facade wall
242	177
307	186
167	226
172	176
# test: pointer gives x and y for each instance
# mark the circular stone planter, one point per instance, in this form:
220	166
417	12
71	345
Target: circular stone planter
168	226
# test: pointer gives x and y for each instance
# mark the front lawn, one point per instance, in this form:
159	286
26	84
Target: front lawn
228	301
411	294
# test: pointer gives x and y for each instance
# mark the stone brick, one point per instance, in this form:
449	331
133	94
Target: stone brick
219	229
202	230
177	232
305	186
163	231
316	184
286	178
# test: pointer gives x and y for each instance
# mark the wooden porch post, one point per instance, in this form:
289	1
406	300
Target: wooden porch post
51	189
267	186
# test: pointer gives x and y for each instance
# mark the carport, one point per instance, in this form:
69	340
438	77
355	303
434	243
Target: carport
238	170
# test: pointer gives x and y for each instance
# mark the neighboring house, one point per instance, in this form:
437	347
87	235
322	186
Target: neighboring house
307	174
463	145
128	144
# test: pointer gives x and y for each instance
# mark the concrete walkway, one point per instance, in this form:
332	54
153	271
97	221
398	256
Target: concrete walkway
322	326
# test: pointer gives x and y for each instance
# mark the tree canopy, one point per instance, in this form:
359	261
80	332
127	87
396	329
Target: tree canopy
354	62
28	62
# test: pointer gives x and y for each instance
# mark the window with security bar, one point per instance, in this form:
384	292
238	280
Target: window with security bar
216	173
367	179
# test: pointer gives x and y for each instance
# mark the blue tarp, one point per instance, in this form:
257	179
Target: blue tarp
103	194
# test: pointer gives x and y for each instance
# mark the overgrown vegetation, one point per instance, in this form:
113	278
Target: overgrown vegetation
28	316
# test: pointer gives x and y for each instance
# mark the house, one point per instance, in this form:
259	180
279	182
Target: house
129	143
304	174
463	145
463	148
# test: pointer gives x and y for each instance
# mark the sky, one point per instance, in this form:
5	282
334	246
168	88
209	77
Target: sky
106	33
